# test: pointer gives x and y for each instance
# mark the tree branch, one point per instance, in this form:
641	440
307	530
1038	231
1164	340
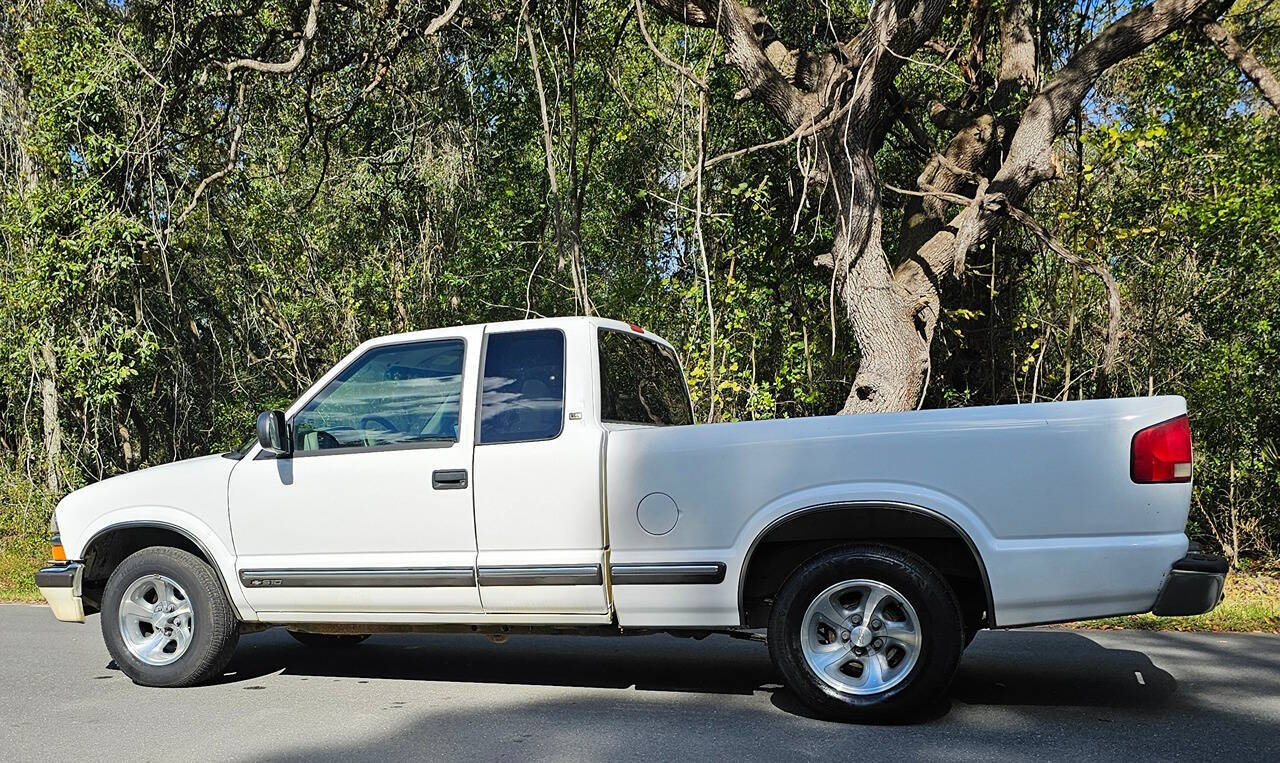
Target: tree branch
1248	64
233	152
899	28
744	50
433	26
1017	46
999	203
300	53
684	71
1030	160
1111	348
694	13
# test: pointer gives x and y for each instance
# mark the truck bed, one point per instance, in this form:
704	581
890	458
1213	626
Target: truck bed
1042	491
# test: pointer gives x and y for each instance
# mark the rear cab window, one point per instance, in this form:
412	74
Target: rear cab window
522	393
641	382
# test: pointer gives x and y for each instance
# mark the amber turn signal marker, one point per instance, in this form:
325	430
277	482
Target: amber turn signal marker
58	553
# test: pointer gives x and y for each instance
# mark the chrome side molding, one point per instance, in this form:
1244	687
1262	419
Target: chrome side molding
561	574
682	573
678	573
420	577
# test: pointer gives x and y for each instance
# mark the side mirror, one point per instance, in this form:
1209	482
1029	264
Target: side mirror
273	433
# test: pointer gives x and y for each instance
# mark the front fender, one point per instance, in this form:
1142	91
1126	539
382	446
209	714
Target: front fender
181	522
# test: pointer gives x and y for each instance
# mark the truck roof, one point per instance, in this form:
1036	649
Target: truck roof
561	322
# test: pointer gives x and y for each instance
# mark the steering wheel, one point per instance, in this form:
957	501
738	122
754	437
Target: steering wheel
325	441
381	422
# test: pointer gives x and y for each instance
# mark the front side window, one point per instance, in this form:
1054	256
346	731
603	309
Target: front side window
522	397
400	394
641	382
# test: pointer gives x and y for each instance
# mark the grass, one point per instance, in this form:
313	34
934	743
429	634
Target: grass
25	506
19	561
1252	603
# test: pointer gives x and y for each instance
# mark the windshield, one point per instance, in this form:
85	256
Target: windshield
641	382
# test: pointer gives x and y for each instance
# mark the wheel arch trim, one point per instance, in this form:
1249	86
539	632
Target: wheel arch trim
785	517
215	561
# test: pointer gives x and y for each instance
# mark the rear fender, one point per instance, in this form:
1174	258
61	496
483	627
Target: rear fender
911	498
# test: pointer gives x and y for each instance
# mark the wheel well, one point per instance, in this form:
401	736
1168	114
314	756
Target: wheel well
785	546
106	550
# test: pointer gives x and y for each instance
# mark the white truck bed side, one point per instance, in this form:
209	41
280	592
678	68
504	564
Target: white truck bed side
1042	491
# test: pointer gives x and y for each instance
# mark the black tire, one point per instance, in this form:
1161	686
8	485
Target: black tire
214	629
329	640
940	623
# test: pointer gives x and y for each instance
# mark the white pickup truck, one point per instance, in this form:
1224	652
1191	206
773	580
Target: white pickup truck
544	476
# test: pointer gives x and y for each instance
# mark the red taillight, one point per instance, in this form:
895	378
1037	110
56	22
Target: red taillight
636	328
1162	453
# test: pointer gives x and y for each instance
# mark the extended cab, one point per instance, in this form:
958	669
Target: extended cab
546	476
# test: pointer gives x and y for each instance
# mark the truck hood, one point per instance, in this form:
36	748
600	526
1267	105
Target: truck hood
188	486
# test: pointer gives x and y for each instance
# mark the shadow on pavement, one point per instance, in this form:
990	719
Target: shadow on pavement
659	663
1058	668
1018	695
1000	668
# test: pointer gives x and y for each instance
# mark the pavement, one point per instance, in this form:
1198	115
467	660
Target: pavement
1038	693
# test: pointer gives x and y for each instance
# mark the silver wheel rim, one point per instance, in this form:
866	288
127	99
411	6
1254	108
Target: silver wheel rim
860	637
156	621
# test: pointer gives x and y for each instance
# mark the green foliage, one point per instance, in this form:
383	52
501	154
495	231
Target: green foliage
181	286
24	532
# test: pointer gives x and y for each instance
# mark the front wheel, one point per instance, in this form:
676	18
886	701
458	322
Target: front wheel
165	619
866	633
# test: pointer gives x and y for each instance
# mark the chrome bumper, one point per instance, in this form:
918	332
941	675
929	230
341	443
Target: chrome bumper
59	584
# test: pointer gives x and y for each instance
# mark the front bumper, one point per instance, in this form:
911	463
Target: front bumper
1193	587
59	584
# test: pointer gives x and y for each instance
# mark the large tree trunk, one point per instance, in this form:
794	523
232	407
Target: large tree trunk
894	357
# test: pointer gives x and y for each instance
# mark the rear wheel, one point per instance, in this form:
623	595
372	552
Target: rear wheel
329	640
866	633
165	619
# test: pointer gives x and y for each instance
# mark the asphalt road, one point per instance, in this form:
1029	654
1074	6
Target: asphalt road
1019	694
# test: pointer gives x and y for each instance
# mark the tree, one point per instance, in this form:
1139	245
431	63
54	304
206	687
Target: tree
206	203
840	101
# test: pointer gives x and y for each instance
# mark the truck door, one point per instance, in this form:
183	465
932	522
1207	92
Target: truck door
540	530
372	512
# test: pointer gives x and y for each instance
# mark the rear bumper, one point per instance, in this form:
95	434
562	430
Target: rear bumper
1193	586
59	584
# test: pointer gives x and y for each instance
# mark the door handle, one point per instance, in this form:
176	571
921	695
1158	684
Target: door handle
449	479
